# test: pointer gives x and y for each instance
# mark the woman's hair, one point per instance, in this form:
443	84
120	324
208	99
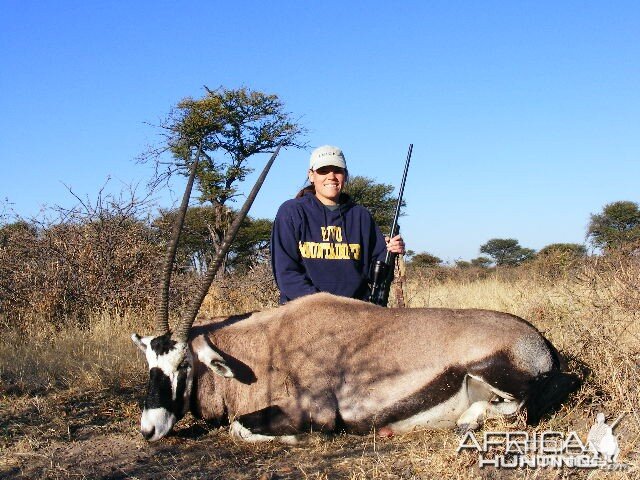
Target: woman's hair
309	188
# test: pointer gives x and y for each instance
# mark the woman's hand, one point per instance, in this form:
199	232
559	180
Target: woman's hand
395	245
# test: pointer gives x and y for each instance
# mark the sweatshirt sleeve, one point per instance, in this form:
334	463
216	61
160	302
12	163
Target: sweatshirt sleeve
379	245
288	271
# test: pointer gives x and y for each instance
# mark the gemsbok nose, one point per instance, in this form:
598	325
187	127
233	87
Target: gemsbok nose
147	434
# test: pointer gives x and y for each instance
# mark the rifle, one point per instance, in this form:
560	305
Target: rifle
381	273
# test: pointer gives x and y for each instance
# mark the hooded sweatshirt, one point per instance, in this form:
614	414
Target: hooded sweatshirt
316	249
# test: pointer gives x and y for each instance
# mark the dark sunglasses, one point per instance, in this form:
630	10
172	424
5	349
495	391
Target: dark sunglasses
329	168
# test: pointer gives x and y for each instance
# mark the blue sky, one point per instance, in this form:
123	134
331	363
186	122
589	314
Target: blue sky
524	115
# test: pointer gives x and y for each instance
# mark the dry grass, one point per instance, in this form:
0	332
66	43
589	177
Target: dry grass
241	294
67	400
98	357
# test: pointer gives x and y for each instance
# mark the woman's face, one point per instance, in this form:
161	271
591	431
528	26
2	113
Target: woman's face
328	182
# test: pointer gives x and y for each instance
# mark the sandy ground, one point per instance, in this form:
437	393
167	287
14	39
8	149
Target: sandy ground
94	435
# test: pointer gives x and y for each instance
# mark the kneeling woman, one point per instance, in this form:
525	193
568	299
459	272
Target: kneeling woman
322	241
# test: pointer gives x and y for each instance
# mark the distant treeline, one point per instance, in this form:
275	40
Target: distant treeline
616	227
106	256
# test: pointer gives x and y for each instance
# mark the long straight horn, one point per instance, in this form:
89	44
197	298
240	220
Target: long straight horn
162	308
182	330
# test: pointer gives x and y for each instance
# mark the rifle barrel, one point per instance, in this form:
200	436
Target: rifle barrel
396	215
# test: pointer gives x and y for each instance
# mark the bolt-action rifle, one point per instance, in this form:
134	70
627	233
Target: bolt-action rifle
381	273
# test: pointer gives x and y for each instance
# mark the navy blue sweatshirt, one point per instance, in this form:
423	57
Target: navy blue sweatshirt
315	249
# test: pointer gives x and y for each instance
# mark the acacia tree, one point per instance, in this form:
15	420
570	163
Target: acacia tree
225	128
251	246
557	259
506	251
617	225
195	245
481	262
425	259
566	250
376	197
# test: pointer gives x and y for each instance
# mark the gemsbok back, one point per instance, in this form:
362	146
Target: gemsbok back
332	364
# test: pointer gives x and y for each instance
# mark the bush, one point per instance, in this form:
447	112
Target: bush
97	257
62	271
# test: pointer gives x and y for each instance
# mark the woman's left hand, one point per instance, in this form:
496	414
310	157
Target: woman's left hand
395	245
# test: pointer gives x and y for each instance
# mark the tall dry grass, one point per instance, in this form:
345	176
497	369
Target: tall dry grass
95	357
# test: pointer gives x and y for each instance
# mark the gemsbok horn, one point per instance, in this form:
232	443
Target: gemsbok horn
333	364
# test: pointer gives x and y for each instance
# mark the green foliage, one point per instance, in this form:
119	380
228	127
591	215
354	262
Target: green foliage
376	197
251	246
568	250
198	244
425	259
506	251
463	264
227	127
559	259
482	262
239	123
616	226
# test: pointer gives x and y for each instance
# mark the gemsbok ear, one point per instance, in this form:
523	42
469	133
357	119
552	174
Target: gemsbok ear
138	341
212	359
219	367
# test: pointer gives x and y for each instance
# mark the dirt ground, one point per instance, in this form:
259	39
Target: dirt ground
94	435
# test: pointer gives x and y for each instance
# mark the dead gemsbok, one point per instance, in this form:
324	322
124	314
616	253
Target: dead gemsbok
325	363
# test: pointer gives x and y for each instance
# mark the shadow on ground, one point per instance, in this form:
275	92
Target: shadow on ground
94	435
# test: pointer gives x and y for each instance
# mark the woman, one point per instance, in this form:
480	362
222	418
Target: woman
322	241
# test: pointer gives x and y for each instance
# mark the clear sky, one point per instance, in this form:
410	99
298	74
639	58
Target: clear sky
524	115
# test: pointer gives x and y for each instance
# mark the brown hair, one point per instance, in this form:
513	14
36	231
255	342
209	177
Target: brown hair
309	188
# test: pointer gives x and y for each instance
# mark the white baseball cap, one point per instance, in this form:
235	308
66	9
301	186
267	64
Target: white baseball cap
327	155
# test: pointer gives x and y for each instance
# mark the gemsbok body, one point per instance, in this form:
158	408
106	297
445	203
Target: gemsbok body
332	364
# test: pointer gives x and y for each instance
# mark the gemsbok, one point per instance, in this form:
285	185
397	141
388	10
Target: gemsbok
332	364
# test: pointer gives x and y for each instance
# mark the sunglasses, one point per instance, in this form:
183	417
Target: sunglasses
329	168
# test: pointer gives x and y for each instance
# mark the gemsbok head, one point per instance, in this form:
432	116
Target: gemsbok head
333	364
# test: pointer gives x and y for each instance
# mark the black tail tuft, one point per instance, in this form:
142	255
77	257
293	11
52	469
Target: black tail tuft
548	392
